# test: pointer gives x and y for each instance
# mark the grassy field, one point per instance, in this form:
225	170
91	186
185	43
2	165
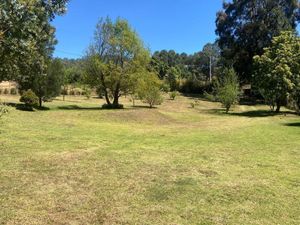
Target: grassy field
173	165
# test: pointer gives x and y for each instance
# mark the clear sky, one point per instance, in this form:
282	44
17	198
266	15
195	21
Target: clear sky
182	25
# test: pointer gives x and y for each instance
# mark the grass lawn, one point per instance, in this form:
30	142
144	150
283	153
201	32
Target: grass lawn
173	165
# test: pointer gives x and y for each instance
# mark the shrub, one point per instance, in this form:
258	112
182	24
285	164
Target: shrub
173	95
87	92
30	99
152	96
111	106
6	91
13	91
194	104
72	92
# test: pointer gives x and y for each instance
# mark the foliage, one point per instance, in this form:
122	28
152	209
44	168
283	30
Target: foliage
194	86
172	66
26	36
277	70
228	89
45	85
87	92
173	74
29	98
149	89
246	27
115	58
173	95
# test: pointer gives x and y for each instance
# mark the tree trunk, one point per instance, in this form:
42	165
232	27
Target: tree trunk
64	97
116	101
210	69
116	96
278	108
40	101
107	98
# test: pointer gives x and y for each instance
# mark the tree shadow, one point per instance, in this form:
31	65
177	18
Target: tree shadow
143	107
76	107
261	113
23	107
251	114
293	124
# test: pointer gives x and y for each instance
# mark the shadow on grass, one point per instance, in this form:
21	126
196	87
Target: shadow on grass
251	114
293	124
76	107
23	107
143	107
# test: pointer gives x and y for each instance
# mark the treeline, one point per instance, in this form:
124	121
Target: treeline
257	45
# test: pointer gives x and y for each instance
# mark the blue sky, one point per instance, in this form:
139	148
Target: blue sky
182	25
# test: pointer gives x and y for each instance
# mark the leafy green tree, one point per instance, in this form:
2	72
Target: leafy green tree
228	89
246	27
45	85
277	70
116	54
172	77
26	36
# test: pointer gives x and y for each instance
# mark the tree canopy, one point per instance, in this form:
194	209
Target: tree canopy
246	27
277	70
115	56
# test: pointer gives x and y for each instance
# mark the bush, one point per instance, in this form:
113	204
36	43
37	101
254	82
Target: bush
152	96
13	91
30	99
6	91
194	104
173	95
111	106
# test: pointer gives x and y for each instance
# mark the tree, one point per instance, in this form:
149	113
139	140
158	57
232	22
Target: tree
212	52
45	85
277	70
116	54
149	89
246	27
228	89
26	36
171	78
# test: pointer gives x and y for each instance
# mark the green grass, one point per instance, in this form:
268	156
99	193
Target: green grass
77	164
